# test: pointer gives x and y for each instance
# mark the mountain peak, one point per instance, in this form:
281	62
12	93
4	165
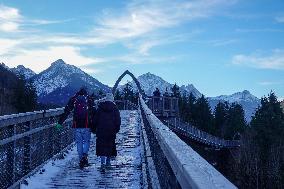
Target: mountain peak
22	70
58	62
149	82
61	75
4	66
21	66
148	74
246	92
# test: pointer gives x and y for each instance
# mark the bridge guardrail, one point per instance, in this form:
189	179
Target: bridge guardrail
190	131
189	168
27	140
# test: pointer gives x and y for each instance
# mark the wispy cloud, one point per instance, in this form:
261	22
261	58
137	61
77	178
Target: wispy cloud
40	59
266	83
138	27
11	20
280	19
140	59
255	30
141	18
274	60
6	45
144	45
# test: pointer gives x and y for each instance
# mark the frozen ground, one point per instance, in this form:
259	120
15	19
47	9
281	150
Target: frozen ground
125	172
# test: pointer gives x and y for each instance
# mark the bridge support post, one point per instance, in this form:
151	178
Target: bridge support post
10	166
27	150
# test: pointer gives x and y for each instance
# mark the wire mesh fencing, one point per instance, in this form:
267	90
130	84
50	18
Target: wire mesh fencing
188	130
29	139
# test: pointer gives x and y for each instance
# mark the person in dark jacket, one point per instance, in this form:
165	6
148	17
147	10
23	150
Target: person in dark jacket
157	92
83	106
106	125
156	99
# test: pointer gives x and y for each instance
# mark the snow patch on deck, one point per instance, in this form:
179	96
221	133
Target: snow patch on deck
125	172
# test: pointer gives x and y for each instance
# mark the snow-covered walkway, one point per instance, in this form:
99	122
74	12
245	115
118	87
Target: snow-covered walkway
125	172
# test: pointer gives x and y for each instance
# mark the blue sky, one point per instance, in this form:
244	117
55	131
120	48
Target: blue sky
220	46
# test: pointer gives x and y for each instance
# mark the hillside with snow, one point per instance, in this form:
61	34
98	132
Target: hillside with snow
60	81
149	82
248	101
22	70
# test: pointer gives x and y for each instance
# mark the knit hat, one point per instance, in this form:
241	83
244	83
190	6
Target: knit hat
109	97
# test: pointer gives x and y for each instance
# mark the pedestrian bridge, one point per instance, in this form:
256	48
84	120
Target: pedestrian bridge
34	155
150	155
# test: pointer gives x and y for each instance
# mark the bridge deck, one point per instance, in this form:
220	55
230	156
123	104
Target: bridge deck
125	172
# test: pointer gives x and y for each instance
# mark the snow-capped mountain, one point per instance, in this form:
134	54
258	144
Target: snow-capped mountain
21	70
149	82
60	81
4	66
248	101
190	89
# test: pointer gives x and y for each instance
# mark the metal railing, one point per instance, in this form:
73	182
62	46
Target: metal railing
186	129
177	164
29	139
163	106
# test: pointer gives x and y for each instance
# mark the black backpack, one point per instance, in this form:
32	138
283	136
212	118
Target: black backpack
81	107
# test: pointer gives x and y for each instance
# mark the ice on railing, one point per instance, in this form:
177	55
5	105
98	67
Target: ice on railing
189	167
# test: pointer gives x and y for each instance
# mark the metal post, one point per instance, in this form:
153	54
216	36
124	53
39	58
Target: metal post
10	166
27	150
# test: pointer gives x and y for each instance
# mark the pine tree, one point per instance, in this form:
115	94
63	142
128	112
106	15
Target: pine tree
220	118
268	125
203	117
117	95
25	96
190	108
183	107
268	122
175	91
30	97
235	121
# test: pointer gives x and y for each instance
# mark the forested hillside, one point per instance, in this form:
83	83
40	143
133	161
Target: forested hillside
16	95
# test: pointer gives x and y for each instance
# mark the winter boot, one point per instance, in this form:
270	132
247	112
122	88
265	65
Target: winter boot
81	163
108	164
85	160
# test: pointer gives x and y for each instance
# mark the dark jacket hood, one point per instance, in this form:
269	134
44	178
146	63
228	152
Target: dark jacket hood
107	106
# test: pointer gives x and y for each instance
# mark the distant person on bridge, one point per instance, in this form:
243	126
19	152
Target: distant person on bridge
83	106
157	93
156	99
166	99
106	125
